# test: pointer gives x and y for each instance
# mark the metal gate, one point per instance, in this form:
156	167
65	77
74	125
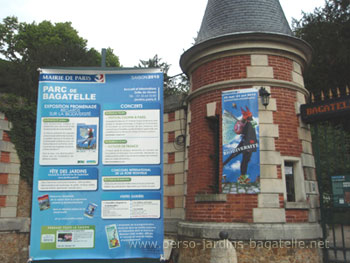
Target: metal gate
331	147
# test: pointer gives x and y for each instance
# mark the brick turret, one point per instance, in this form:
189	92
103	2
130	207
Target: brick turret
248	44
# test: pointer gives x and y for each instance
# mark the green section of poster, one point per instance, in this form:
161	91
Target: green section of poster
341	190
67	237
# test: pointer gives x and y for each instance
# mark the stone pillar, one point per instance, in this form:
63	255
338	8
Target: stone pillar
223	250
174	162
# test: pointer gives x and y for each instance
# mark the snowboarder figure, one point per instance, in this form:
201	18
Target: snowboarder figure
90	137
247	145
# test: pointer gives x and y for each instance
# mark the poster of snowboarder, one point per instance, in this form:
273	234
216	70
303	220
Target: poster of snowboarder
86	136
240	142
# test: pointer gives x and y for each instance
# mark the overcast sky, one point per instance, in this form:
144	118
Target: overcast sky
134	29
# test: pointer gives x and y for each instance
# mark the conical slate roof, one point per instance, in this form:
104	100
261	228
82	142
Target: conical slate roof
226	17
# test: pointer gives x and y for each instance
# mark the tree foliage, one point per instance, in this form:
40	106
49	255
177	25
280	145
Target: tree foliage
112	60
327	30
331	147
22	115
25	48
172	84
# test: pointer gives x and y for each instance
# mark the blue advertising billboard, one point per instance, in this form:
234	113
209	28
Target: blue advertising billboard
240	142
98	172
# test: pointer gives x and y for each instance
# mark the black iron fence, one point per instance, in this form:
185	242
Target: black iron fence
331	146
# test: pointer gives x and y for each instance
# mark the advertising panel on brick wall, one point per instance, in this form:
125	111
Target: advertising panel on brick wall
341	190
97	191
240	142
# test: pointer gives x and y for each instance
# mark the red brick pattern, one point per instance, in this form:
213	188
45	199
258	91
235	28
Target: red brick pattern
3	178
279	172
171	136
201	175
5	157
171	179
2	201
171	157
297	216
281	200
170	202
238	208
171	116
288	142
228	68
282	67
5	136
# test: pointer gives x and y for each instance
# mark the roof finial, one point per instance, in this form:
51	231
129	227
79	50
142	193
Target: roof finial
330	94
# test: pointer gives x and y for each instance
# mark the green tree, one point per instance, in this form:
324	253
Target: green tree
27	47
22	115
327	30
177	84
111	59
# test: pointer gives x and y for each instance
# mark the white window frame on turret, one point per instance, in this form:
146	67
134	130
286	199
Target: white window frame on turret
299	183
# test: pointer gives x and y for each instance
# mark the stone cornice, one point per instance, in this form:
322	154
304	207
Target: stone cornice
248	43
18	224
247	82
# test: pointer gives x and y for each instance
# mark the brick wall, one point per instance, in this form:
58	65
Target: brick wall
282	136
15	200
297	216
288	142
237	208
9	172
282	67
201	174
174	161
227	68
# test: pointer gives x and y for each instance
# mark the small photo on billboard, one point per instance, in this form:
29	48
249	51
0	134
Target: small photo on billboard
86	136
65	237
90	210
347	197
112	236
44	202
